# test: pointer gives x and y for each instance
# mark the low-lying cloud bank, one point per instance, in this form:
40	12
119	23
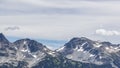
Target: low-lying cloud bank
107	32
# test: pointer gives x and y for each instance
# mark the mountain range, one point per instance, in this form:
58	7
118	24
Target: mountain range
77	53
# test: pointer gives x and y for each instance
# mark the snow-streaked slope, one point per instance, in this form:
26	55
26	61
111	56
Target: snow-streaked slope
81	51
88	51
27	50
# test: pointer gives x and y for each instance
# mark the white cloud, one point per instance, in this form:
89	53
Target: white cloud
56	27
12	28
107	32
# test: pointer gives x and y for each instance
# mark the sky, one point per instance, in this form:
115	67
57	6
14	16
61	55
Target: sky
55	22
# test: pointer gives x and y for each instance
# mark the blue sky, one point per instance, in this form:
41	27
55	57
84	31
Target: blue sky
55	22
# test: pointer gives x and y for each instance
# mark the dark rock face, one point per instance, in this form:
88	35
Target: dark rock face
3	39
18	64
62	62
32	45
57	62
3	42
6	48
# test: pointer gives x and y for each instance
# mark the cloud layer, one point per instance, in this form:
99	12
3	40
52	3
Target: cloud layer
107	32
61	19
78	7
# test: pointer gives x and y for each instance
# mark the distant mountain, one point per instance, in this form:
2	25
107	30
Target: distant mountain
77	53
95	52
6	48
23	50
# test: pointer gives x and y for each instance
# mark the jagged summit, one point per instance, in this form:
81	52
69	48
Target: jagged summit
3	38
77	52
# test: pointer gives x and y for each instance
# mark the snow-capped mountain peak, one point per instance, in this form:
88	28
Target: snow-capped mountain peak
77	52
88	51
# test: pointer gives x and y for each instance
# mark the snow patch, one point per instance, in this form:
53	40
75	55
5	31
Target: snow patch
24	50
100	57
97	45
61	48
112	49
34	56
25	42
81	49
52	53
83	44
91	55
16	48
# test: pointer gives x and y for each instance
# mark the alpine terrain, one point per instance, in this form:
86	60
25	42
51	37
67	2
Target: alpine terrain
77	53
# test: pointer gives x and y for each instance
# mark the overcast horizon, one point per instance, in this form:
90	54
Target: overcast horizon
55	22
